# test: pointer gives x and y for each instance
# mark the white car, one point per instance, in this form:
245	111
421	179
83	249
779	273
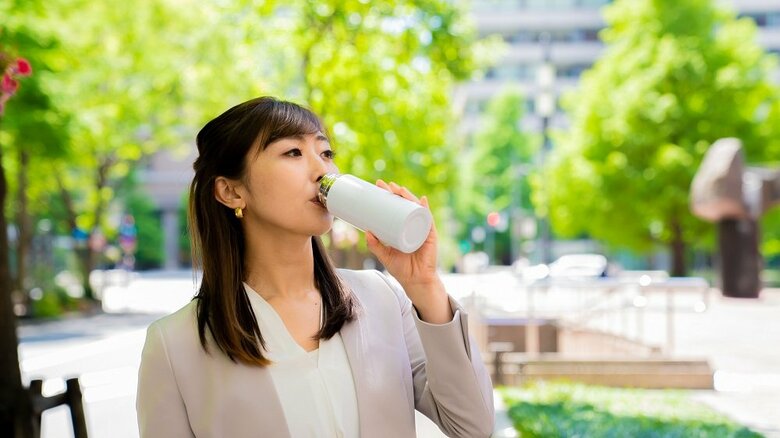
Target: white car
579	266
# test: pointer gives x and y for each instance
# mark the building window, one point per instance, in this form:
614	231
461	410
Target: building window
591	34
556	36
572	71
773	19
496	5
512	5
475	106
759	18
514	72
562	4
529	106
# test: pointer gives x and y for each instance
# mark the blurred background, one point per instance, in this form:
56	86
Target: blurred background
620	260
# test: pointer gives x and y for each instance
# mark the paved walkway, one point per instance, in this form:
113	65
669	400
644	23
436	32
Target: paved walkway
741	338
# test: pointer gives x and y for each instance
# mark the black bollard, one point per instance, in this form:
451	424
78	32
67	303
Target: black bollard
740	260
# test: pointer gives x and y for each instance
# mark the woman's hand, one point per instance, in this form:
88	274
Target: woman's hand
417	267
416	271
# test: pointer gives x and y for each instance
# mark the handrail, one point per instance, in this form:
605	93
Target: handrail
617	296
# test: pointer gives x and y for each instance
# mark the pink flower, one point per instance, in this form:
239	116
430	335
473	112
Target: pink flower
23	67
9	85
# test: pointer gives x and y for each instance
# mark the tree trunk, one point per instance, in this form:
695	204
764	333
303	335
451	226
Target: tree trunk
86	256
86	264
90	257
24	224
678	250
15	418
81	253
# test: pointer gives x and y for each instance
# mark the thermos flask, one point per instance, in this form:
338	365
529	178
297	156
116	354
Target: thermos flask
395	221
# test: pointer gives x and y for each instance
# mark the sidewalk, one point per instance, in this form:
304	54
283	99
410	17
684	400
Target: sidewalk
741	338
503	427
160	293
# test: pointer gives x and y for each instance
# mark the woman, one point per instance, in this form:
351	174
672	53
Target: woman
279	343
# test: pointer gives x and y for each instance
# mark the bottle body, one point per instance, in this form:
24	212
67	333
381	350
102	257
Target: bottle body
394	220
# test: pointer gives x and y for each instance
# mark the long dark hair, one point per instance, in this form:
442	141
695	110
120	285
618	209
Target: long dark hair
224	146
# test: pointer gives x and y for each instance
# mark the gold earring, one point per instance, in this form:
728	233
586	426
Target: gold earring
239	212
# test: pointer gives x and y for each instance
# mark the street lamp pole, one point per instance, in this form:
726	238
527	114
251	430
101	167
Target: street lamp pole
544	230
518	172
545	108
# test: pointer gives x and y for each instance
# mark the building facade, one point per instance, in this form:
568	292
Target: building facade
571	28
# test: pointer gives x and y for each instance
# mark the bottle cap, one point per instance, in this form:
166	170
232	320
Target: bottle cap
325	183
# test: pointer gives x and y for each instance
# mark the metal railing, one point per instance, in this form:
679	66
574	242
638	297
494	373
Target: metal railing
618	306
638	306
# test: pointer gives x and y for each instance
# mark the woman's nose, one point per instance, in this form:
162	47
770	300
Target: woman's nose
320	167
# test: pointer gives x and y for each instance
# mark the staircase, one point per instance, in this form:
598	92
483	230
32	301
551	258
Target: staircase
650	373
604	338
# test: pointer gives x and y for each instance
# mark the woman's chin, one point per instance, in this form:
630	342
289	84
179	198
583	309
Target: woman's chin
320	231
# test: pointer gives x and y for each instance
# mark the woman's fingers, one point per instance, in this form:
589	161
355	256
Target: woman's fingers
399	190
378	248
411	196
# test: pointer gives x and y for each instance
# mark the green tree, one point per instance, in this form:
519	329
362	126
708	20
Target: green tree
674	77
130	78
383	82
34	132
381	76
183	240
379	73
498	164
128	95
28	129
149	251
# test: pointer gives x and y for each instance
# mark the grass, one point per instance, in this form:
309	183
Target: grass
557	409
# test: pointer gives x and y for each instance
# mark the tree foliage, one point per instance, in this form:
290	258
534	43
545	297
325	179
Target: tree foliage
121	80
502	151
497	166
381	76
675	77
128	79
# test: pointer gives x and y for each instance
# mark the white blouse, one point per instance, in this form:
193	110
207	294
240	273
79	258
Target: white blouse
315	388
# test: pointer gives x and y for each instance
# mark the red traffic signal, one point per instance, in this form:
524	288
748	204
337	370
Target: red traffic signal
493	219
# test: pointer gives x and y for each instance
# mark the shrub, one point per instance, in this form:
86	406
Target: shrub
575	410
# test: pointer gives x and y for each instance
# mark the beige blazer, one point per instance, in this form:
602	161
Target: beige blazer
399	364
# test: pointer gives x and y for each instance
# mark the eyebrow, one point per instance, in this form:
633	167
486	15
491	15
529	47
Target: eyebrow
320	137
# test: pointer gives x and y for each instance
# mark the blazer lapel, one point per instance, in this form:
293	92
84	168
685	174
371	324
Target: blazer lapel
259	384
354	337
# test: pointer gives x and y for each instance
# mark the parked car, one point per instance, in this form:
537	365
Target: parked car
579	266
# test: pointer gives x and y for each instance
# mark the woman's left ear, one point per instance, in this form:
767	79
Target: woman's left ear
225	192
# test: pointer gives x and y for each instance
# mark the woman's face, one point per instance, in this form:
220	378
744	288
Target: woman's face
283	184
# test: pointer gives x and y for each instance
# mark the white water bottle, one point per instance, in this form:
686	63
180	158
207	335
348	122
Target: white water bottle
395	221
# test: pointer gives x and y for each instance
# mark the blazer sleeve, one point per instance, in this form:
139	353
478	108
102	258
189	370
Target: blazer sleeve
451	385
160	407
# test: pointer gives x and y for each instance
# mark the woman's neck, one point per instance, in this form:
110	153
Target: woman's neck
280	267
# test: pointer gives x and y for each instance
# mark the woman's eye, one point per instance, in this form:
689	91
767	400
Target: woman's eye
293	151
330	154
